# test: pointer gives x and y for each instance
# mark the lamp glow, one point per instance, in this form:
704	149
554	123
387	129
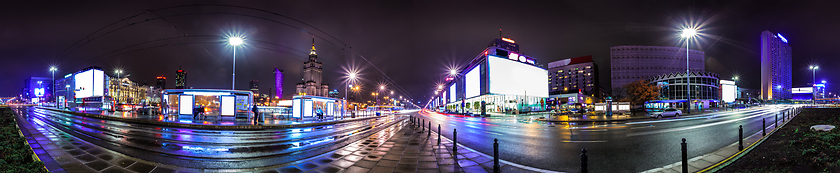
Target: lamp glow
236	41
688	32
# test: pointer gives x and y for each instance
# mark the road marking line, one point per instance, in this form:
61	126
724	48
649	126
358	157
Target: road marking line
495	133
700	126
701	117
596	130
642	127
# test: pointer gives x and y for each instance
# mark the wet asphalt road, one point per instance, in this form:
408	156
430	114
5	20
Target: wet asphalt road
612	147
210	149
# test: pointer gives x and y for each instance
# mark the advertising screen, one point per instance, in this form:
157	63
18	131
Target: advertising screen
473	82
296	108
185	104
729	93
799	90
509	77
307	108
228	105
90	83
452	92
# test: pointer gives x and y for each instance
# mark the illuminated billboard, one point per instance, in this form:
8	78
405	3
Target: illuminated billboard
185	104
728	90
452	92
90	83
801	90
509	77
228	105
472	82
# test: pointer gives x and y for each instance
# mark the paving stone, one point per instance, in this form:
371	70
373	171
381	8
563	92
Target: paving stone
365	164
290	169
329	169
343	163
391	157
269	171
449	168
163	170
322	161
307	166
356	169
387	163
353	157
141	167
428	158
107	157
124	162
482	159
85	158
427	165
372	158
412	161
75	152
115	169
382	169
406	168
474	169
466	163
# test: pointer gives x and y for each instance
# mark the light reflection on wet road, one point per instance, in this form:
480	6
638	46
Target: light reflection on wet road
212	149
612	147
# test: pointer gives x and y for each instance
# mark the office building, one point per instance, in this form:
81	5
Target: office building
38	89
180	79
775	67
705	90
312	69
278	83
573	75
633	63
254	86
501	77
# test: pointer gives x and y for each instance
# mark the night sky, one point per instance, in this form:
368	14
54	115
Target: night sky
413	42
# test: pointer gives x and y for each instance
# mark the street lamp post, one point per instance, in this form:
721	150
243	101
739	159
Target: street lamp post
119	85
52	93
234	41
688	33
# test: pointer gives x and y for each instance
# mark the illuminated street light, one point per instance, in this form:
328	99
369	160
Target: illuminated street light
814	76
688	33
119	84
235	42
453	72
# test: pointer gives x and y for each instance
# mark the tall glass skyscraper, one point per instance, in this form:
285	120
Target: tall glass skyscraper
775	66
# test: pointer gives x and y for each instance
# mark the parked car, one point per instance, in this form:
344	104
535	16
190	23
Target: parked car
665	113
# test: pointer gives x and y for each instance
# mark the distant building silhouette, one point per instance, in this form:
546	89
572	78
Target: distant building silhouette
161	82
775	67
180	79
312	76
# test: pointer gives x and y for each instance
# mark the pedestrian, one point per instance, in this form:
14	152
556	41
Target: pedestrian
256	114
195	112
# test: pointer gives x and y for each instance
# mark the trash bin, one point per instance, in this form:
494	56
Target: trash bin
352	115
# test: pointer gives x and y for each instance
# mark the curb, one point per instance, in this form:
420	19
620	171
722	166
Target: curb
209	127
722	164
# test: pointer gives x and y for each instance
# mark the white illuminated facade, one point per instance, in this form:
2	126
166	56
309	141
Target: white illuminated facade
501	77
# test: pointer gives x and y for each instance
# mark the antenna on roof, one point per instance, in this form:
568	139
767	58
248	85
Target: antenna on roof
500	33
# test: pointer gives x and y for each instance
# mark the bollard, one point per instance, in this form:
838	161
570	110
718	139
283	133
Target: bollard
684	156
584	159
438	134
430	129
455	143
777	121
496	167
763	126
740	137
421	125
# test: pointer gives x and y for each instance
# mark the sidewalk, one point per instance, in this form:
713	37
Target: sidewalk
210	122
408	149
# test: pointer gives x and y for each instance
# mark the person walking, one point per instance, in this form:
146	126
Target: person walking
256	114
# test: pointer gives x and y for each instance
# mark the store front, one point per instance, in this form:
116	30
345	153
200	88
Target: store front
215	102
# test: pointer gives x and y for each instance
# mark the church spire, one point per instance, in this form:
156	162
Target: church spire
312	52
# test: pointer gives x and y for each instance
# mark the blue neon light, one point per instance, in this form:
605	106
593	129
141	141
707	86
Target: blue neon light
781	37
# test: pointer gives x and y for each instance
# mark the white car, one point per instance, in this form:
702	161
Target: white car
665	113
